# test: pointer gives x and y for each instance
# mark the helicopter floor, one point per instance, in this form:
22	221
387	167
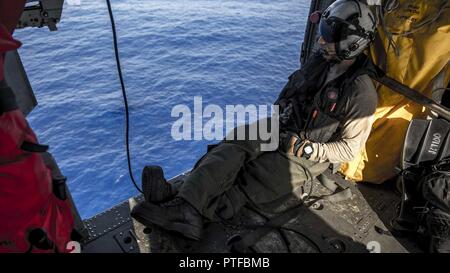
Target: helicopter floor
354	225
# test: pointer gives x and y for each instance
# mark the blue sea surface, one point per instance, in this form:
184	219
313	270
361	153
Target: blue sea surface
227	51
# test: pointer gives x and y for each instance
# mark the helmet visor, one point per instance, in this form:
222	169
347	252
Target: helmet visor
330	30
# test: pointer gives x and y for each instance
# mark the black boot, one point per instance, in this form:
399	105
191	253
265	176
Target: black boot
154	185
174	215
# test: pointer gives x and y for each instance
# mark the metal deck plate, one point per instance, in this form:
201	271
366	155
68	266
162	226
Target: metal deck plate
346	226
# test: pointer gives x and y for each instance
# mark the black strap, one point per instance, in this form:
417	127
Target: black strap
379	75
381	52
33	147
7	98
38	239
297	145
59	180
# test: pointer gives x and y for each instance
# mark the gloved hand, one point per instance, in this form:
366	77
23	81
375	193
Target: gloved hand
292	144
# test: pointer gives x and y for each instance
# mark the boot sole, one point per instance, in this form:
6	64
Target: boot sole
151	180
145	214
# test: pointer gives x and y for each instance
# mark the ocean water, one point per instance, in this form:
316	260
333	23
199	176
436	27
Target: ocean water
227	51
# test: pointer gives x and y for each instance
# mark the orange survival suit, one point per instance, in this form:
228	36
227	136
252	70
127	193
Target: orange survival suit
32	217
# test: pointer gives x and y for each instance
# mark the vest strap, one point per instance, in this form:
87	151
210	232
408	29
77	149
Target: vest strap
7	98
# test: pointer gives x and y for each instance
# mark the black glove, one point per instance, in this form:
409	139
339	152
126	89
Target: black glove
292	144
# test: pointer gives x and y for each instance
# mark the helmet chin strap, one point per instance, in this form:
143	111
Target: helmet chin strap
335	61
335	58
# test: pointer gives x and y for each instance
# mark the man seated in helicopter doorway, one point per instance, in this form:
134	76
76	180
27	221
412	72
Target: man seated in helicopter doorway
324	118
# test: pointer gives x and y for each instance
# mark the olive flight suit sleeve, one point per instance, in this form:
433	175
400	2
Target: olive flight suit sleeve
356	126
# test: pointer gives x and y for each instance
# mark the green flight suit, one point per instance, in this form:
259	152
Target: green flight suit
237	170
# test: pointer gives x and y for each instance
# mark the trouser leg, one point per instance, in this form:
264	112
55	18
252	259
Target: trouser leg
242	169
267	182
214	175
263	181
276	174
217	171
